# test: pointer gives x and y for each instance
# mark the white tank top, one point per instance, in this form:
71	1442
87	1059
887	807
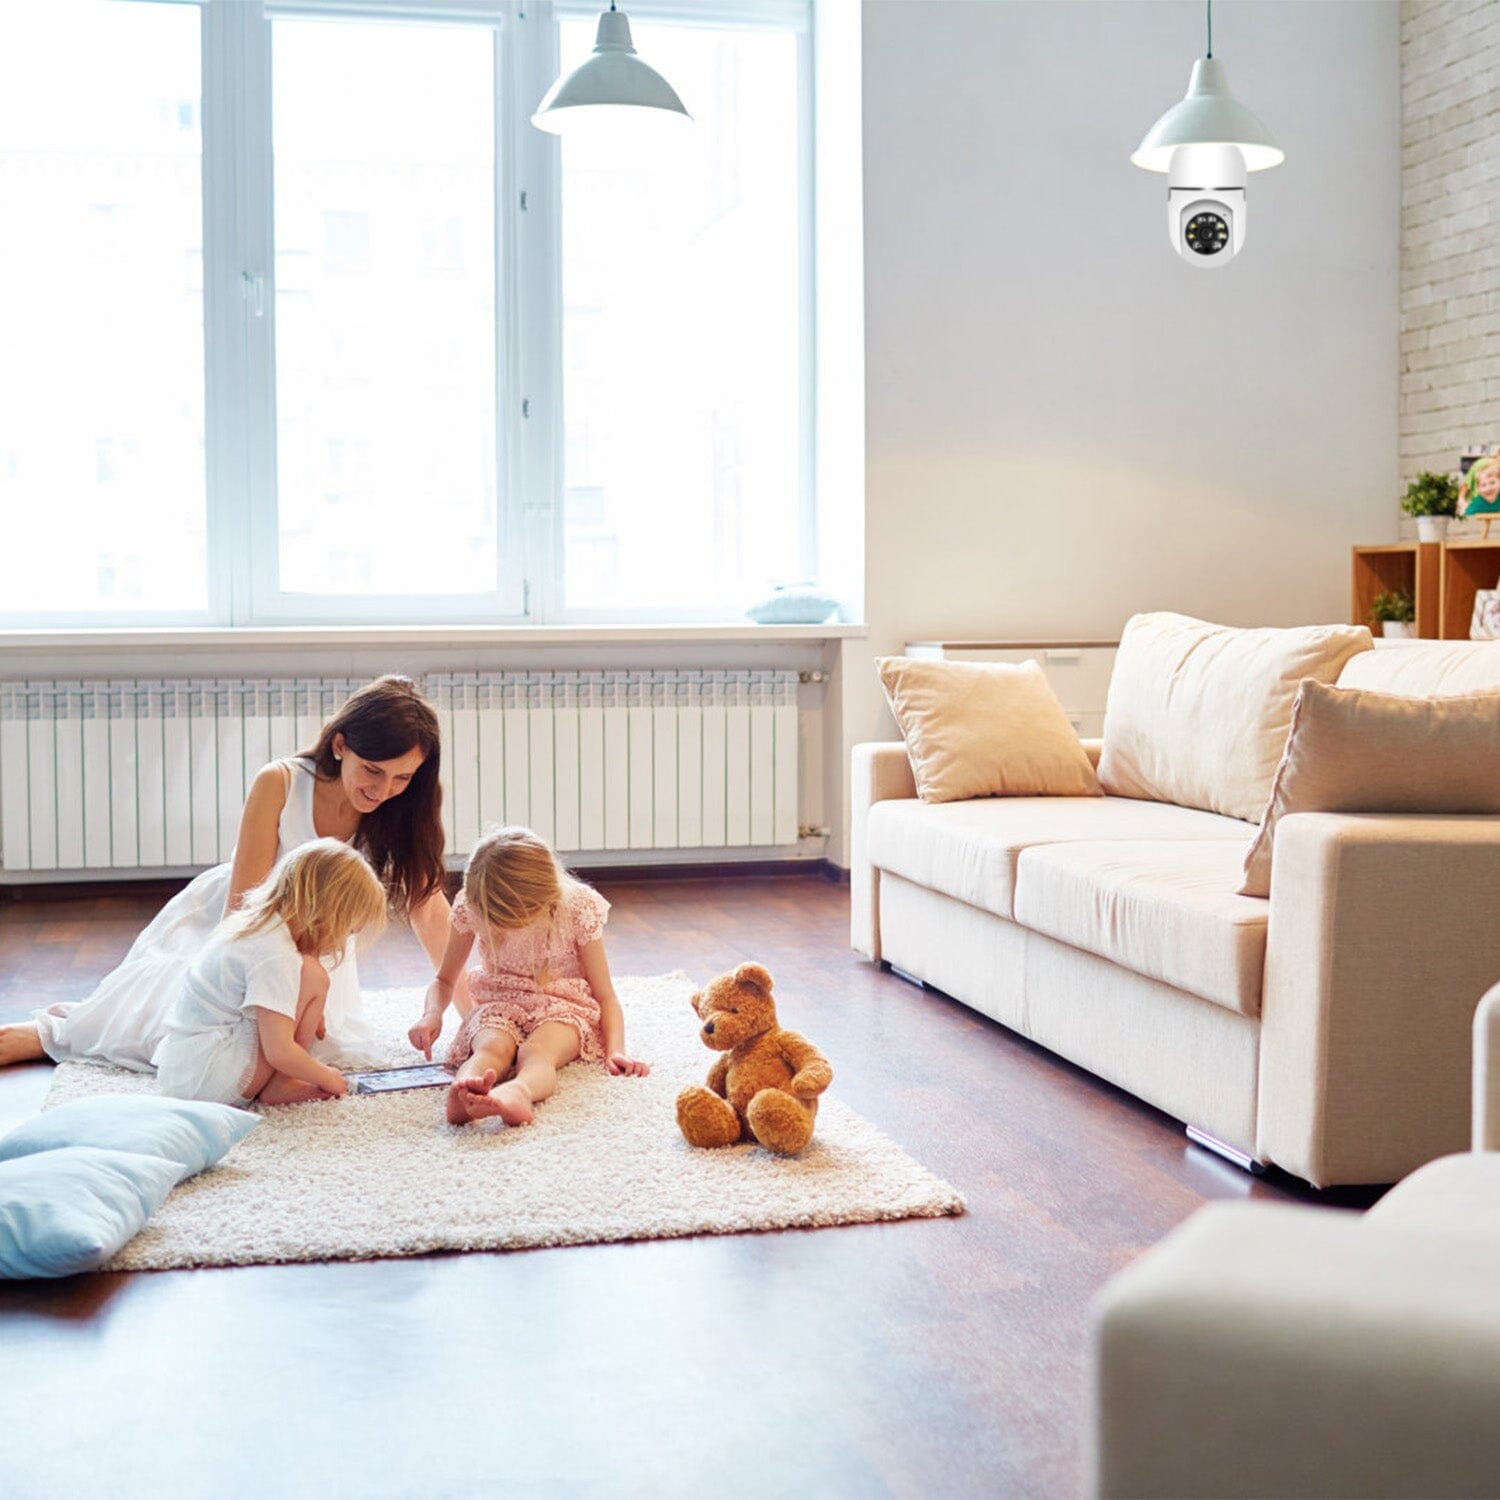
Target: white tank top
295	827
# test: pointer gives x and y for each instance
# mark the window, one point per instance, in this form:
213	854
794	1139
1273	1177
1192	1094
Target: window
103	495
681	282
384	213
310	324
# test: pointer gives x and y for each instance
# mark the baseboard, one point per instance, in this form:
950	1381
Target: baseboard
158	887
163	888
821	869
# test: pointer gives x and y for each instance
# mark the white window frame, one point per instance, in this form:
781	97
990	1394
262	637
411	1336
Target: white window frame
239	315
238	36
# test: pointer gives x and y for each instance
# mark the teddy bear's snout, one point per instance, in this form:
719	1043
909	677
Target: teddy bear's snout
708	1030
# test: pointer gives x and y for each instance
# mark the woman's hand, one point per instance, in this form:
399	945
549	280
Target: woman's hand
333	1082
621	1066
426	1032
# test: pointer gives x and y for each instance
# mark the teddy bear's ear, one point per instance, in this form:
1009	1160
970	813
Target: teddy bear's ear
696	1001
754	976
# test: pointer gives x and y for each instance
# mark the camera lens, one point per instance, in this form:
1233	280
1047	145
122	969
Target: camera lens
1206	234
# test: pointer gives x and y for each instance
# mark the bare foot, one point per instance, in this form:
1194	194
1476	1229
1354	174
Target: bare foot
514	1101
290	1091
20	1043
470	1099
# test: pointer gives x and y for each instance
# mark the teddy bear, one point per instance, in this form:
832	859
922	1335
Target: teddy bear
766	1084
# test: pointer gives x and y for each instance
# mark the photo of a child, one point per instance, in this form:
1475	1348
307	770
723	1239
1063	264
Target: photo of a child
1479	496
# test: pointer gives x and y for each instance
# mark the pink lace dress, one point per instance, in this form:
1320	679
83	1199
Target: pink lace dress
534	975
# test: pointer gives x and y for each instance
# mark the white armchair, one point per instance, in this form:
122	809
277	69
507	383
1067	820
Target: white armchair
1270	1350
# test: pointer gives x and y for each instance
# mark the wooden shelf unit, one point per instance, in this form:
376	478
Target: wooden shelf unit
1467	566
1417	566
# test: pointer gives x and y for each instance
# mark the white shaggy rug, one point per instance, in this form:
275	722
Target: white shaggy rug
382	1175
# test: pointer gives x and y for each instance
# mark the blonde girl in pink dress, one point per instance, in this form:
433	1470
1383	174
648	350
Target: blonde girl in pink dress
542	996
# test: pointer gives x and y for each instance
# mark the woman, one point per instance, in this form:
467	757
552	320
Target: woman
371	780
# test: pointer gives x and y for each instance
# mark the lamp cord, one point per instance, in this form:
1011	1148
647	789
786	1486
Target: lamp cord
1210	24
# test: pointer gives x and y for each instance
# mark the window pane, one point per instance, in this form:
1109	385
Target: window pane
102	487
681	345
385	307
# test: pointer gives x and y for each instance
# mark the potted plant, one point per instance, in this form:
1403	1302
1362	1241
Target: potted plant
1395	611
1433	500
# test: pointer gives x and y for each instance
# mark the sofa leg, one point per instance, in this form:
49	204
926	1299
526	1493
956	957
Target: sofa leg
1224	1149
890	968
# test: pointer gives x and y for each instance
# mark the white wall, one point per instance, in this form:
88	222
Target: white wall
1065	422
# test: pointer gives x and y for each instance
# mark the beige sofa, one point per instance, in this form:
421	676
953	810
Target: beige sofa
1272	1350
1325	1030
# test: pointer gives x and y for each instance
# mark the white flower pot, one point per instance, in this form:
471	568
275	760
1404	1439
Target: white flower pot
1432	528
1397	630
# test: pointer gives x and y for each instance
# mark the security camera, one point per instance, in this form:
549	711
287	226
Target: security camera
1206	203
1206	143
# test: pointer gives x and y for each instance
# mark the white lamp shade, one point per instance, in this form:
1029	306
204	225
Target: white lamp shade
610	89
1209	116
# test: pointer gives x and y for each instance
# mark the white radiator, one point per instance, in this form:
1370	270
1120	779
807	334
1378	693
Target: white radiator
153	774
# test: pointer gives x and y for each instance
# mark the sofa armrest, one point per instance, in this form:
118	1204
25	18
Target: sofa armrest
1093	749
1381	943
1487	1073
1265	1349
880	773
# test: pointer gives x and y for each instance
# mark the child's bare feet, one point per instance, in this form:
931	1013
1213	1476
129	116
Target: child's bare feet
290	1091
472	1099
469	1098
20	1043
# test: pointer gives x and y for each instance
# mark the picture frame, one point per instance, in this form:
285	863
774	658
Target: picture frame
1479	485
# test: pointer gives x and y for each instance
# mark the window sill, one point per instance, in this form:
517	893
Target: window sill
131	638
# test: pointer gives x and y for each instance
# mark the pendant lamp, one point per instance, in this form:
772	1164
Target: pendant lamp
1207	144
611	91
1209	115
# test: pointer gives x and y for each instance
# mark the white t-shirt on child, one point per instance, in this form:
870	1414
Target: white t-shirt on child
212	1040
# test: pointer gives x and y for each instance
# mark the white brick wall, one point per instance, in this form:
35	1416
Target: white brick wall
1450	230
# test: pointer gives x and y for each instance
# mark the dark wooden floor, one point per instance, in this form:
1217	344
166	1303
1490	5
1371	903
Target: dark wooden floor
930	1358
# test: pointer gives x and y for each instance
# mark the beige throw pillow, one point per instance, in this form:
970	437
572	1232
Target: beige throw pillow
1356	751
985	730
1197	714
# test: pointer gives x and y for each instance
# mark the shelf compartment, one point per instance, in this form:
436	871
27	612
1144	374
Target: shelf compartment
1402	565
1467	566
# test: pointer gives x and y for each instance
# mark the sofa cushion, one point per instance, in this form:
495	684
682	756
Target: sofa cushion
1452	1197
1167	909
1361	752
968	850
1197	714
1428	669
985	729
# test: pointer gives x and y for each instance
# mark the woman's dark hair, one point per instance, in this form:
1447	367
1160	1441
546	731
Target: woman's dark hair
403	838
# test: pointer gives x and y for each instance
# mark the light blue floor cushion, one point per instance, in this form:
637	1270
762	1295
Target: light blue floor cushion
186	1131
70	1209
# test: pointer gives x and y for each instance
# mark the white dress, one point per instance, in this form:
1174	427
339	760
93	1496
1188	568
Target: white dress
124	1019
212	1040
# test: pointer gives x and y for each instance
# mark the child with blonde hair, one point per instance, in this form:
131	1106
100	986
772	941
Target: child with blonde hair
1479	497
542	995
251	1004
